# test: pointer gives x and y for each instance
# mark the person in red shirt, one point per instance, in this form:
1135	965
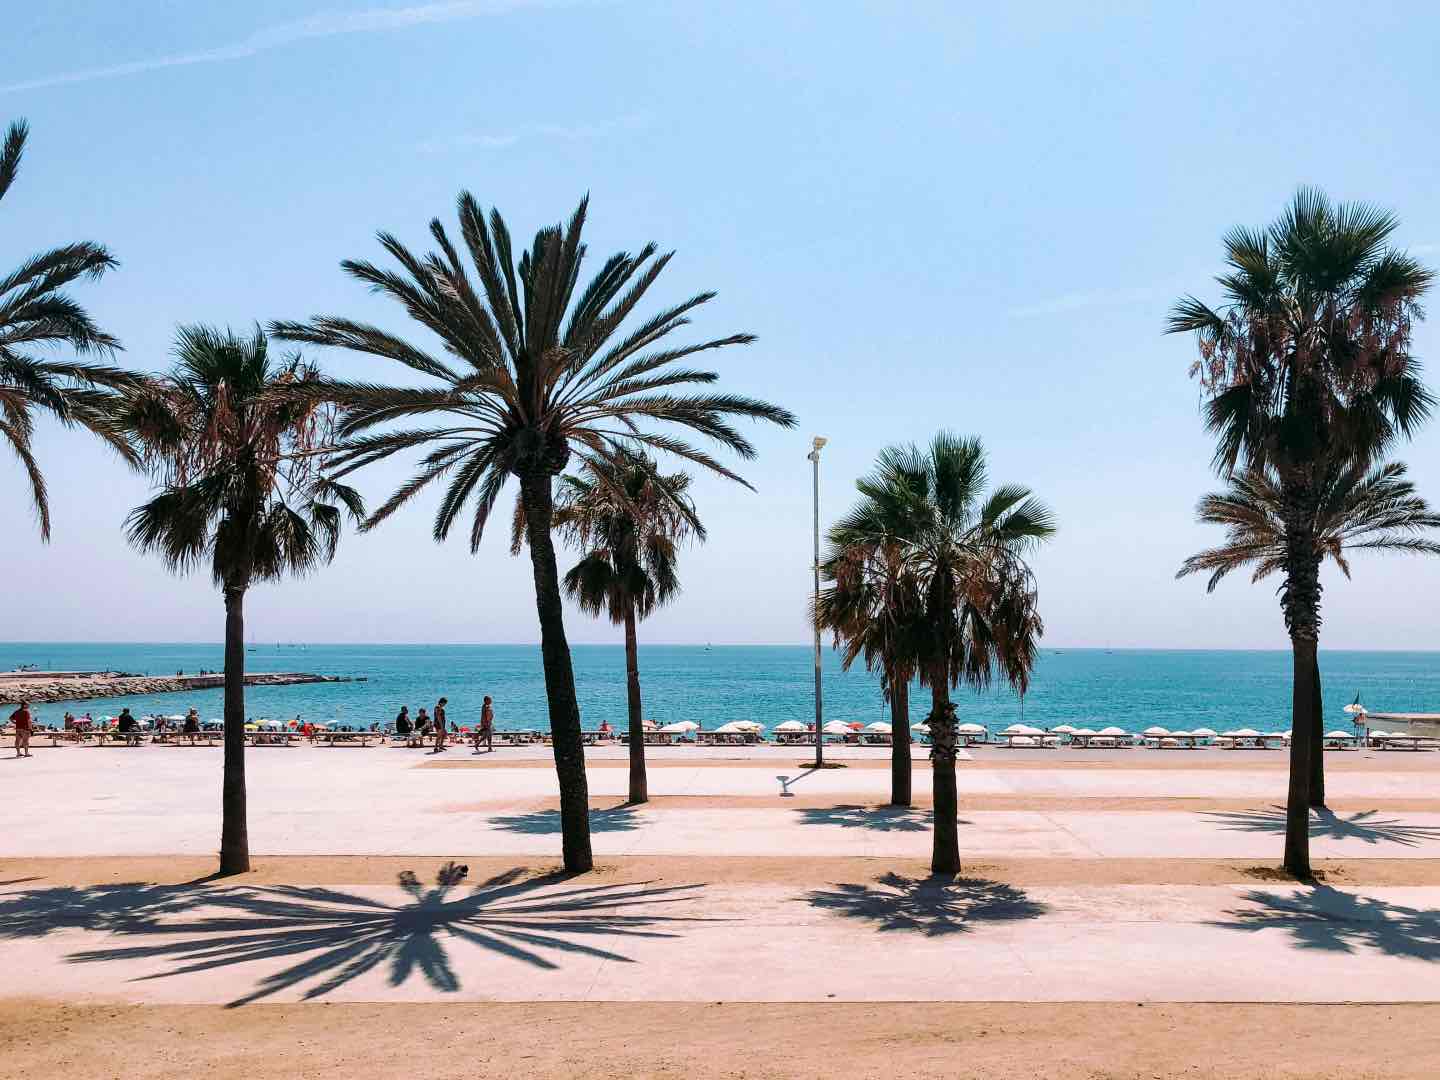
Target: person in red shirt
23	726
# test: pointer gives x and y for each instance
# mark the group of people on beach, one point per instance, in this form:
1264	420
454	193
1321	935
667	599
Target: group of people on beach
439	727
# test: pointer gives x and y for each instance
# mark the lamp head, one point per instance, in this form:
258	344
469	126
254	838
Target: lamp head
818	443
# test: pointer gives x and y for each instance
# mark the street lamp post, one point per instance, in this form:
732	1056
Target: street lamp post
816	445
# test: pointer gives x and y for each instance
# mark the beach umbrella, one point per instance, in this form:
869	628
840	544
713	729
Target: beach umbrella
1246	733
791	725
1182	734
1112	732
747	725
1204	733
923	726
1155	731
880	727
682	726
1355	709
649	725
733	728
1338	734
1016	729
1061	729
837	727
962	729
1084	732
1379	735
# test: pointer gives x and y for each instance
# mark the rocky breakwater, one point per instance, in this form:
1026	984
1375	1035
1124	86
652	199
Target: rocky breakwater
46	686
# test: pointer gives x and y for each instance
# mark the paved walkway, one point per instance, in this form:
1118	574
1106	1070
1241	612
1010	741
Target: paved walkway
164	800
866	939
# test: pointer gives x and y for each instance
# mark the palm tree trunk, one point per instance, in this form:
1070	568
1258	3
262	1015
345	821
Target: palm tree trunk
234	829
1317	746
945	855
565	735
1300	597
900	794
639	788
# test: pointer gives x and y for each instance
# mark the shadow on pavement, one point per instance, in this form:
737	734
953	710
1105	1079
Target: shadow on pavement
616	819
327	937
1335	921
879	818
1362	825
931	906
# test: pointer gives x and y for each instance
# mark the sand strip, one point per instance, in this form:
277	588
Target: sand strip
305	870
835	1040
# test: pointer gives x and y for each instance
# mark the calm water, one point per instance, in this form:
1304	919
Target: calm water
1091	687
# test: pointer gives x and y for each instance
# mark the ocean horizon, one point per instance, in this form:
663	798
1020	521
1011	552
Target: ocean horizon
1132	688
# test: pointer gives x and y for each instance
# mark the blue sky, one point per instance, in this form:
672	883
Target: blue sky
932	217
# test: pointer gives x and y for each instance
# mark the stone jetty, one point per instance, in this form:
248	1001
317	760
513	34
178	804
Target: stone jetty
48	686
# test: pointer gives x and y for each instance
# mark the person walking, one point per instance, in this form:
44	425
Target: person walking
486	731
441	727
24	724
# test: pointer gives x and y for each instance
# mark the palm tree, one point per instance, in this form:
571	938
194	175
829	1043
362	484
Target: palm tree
963	554
1359	509
531	372
236	442
35	311
1307	367
872	609
629	520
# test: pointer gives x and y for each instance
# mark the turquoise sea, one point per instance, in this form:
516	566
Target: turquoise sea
1083	687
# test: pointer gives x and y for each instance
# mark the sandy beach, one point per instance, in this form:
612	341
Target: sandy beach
1114	908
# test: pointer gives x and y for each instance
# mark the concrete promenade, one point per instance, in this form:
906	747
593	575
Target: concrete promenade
1136	878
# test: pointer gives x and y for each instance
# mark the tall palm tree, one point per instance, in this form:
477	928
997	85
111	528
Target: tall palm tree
964	553
872	608
1307	366
628	519
530	373
35	311
1359	509
236	443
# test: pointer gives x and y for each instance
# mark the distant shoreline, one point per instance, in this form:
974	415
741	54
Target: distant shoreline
271	647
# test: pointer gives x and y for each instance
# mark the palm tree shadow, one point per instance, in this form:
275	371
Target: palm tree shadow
1362	825
616	819
877	818
1328	919
327	937
933	906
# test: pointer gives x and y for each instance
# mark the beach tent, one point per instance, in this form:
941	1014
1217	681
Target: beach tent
791	725
680	727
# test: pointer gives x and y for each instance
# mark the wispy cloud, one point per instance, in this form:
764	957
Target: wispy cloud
561	132
320	25
1092	298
